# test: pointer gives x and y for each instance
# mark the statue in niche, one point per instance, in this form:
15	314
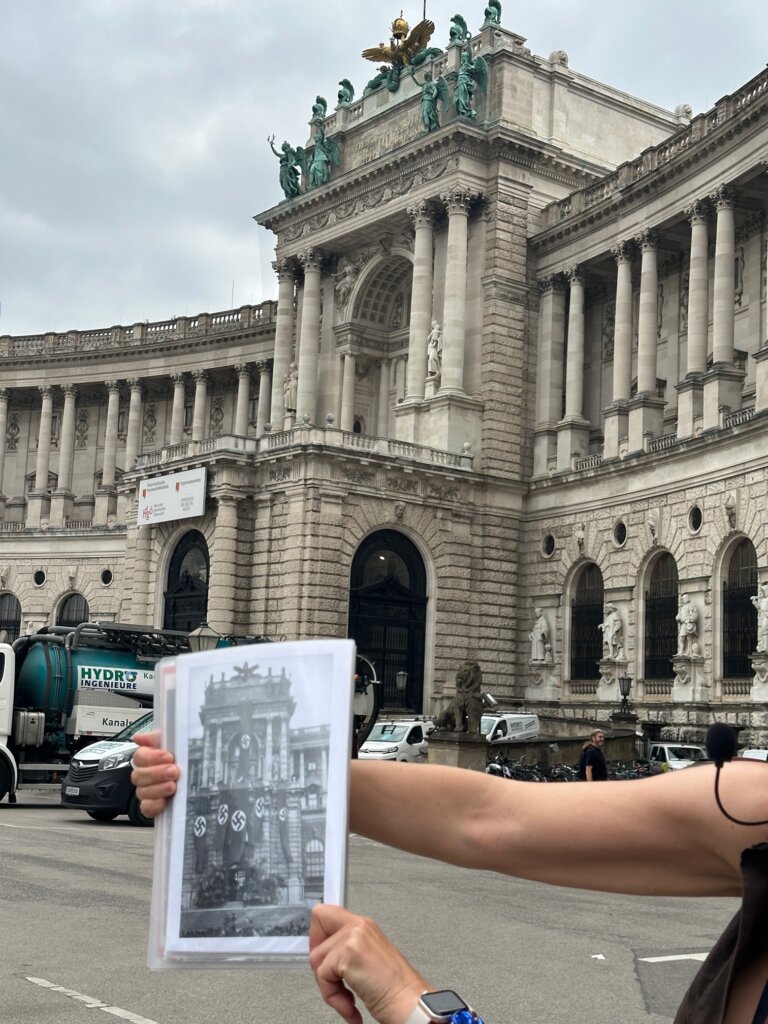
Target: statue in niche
289	174
492	13
434	350
760	601
432	93
687	627
471	73
613	634
345	282
346	92
325	155
290	382
539	637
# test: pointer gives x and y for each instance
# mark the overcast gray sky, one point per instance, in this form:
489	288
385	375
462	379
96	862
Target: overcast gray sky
134	151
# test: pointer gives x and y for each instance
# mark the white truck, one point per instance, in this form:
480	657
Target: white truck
508	726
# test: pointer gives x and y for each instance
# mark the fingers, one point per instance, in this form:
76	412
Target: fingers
155	774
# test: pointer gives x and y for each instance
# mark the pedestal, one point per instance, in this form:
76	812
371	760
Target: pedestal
543	682
646	416
689	685
608	687
458	749
38	508
615	425
690	398
61	507
722	389
106	505
572	440
759	691
544	449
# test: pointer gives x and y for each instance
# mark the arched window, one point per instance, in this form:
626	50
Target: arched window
186	599
10	618
586	616
739	614
314	862
660	619
72	611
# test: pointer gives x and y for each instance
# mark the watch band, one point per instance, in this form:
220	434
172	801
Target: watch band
421	1014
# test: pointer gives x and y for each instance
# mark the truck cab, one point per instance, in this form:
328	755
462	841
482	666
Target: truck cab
508	727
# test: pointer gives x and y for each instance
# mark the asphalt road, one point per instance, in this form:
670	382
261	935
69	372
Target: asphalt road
74	911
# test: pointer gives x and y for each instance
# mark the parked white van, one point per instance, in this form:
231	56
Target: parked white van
503	728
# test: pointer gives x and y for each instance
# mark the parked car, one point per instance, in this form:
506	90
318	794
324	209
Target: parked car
398	739
99	777
755	753
502	728
677	755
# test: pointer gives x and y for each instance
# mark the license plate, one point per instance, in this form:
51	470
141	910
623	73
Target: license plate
72	791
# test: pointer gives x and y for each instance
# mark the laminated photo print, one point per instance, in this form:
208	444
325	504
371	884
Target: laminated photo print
257	832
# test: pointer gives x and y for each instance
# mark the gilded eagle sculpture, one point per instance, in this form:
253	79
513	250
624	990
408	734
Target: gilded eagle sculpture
406	48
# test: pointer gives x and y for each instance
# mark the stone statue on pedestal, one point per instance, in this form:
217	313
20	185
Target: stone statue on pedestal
434	350
687	627
289	388
539	637
492	13
760	601
464	712
613	634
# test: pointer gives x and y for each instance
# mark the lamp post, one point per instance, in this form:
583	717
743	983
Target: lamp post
204	638
625	685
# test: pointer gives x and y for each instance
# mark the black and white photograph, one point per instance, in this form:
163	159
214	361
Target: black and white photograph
258	833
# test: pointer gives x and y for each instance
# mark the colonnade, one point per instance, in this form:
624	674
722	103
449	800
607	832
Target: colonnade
300	284
630	420
56	502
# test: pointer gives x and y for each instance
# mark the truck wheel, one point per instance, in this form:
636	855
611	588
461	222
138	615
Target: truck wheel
5	780
134	812
102	815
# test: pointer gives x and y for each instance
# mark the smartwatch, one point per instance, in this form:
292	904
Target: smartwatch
438	1006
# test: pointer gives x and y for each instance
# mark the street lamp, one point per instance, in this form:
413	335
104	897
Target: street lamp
625	685
401	678
204	638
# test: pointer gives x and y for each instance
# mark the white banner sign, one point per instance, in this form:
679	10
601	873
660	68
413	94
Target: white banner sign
176	496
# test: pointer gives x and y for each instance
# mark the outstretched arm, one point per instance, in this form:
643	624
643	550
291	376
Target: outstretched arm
662	835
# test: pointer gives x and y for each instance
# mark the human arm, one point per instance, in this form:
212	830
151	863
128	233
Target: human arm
588	772
349	956
662	836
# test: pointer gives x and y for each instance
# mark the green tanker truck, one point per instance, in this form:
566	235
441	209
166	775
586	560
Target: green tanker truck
67	686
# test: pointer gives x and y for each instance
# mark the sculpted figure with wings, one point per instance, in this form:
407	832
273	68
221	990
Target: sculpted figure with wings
471	73
324	156
404	49
432	92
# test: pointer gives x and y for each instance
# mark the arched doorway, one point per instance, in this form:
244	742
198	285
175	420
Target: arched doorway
586	616
72	611
660	619
186	598
387	614
739	614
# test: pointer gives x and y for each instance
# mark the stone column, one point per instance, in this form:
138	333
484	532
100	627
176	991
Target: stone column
133	435
646	410
348	393
573	429
265	393
177	412
382	417
616	415
201	405
549	372
309	340
106	497
38	500
223	569
62	498
243	396
286	276
454	306
723	383
691	388
3	433
421	299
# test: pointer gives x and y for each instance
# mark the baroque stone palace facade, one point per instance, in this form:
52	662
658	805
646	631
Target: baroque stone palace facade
579	492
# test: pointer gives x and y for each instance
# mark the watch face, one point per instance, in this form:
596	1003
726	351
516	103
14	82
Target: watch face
443	1004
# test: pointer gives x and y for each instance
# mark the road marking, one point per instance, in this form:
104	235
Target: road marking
92	1003
669	959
